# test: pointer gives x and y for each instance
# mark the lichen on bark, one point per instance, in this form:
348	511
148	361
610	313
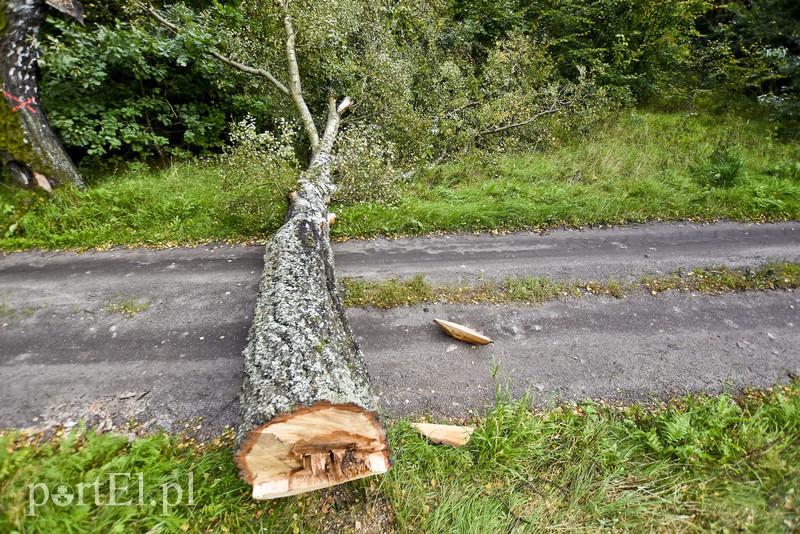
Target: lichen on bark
11	139
301	349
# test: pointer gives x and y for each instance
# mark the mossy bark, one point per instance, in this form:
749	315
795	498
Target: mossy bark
27	143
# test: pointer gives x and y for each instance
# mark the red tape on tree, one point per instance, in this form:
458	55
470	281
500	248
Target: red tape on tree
20	104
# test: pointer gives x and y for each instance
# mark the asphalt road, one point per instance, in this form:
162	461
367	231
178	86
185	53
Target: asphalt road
65	355
625	253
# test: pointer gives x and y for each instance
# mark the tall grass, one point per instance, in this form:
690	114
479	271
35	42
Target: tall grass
698	463
645	166
641	166
184	204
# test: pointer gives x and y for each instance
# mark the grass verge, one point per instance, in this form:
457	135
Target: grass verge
642	166
699	463
415	290
182	205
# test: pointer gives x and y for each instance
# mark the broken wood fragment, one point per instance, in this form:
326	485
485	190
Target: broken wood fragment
453	435
462	332
73	8
41	181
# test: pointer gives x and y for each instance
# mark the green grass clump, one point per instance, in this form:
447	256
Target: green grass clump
699	463
639	167
394	292
724	279
128	306
6	310
723	168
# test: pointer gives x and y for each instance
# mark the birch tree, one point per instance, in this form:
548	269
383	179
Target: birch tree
308	416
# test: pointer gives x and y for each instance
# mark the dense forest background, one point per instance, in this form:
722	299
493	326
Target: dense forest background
431	79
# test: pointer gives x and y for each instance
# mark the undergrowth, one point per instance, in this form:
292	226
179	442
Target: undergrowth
699	463
639	167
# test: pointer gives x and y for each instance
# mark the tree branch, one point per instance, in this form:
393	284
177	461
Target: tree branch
344	105
549	111
331	127
250	70
294	83
295	90
216	54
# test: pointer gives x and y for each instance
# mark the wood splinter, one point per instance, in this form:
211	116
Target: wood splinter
463	333
453	435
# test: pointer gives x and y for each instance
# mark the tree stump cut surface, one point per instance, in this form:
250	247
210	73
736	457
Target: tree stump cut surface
313	448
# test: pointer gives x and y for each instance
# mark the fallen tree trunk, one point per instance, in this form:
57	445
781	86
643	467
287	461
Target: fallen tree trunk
308	416
28	146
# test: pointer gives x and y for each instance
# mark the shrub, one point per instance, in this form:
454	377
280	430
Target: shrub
258	171
722	168
364	167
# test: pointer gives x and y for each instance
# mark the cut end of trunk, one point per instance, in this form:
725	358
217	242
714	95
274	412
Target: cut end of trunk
453	435
313	448
463	333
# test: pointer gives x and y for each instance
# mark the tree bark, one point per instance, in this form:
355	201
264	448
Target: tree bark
308	416
28	146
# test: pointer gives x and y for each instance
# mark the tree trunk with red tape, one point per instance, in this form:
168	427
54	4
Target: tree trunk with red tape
28	146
